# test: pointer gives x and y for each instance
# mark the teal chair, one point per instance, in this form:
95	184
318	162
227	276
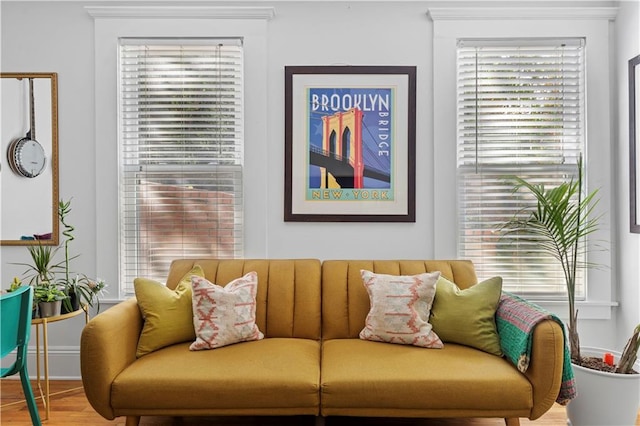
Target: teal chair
15	322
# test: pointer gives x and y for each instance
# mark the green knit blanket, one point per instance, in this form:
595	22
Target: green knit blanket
516	318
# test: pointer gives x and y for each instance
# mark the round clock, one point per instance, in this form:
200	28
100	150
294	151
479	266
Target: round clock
26	157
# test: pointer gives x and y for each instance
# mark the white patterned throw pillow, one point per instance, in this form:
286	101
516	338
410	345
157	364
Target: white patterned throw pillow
224	315
400	308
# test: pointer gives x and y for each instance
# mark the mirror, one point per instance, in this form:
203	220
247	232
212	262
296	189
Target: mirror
29	159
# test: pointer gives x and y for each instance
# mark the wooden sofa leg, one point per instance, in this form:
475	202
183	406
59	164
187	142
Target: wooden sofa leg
319	420
513	421
132	421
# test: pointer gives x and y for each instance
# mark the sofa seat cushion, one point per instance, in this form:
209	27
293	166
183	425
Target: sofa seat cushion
256	376
453	381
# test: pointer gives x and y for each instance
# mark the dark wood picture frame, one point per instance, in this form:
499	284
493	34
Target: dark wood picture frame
634	144
350	143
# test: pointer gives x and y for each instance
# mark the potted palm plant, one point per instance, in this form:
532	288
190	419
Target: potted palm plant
559	222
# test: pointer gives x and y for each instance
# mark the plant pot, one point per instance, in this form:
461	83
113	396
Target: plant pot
604	398
72	304
49	309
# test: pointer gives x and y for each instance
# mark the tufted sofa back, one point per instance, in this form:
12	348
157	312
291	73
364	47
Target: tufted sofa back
288	299
345	302
308	299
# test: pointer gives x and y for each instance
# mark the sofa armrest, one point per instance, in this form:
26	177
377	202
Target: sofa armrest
545	367
532	338
107	346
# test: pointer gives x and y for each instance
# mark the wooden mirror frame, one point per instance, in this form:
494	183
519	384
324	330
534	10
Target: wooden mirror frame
48	203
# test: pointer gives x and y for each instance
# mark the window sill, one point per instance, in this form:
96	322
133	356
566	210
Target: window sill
588	310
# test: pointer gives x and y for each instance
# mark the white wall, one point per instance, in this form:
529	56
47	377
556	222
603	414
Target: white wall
627	36
301	33
62	43
350	33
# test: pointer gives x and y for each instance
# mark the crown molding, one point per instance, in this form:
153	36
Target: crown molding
189	12
504	13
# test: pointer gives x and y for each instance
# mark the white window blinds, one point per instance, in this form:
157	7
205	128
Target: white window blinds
520	112
181	153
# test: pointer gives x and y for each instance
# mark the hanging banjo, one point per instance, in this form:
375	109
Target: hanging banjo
26	156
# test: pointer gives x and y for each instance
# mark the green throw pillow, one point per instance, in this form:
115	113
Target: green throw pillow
468	316
168	314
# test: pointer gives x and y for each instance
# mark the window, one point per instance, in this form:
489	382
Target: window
520	111
180	152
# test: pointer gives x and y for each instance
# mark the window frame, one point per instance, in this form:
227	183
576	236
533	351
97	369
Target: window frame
485	70
113	22
140	232
452	24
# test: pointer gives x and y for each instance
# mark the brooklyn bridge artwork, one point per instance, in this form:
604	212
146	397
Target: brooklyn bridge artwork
350	144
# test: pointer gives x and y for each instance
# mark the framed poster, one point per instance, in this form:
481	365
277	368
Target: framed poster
634	144
350	143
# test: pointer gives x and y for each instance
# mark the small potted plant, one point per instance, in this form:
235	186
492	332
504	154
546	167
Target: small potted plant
49	298
85	291
16	284
71	286
49	278
40	273
42	269
82	290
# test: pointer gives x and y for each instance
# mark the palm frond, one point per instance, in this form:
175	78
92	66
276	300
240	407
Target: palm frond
558	224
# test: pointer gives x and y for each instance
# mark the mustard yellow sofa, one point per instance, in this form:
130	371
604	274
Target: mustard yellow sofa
311	361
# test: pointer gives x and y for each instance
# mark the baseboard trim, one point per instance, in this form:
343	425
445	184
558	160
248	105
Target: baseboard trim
64	363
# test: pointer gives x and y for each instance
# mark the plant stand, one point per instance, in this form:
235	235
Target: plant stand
42	323
604	398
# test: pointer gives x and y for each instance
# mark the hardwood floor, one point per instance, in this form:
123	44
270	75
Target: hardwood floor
69	407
